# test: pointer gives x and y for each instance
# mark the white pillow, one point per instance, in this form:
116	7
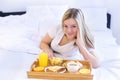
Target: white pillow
58	10
44	26
45	16
96	18
37	12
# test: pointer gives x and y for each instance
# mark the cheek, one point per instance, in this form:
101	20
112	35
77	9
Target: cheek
75	31
64	30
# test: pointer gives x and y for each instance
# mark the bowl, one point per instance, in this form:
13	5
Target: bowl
56	61
73	66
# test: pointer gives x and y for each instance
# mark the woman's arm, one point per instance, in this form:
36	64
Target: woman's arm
90	56
45	45
85	53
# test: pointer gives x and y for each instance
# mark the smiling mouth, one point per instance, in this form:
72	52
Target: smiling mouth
70	34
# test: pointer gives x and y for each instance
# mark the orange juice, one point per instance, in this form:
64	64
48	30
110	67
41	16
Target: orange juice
43	59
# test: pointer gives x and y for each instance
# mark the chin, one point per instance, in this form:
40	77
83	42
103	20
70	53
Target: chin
71	37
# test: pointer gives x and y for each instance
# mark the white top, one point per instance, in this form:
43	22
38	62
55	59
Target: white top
67	51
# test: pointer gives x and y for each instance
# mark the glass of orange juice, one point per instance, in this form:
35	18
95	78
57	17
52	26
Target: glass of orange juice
43	59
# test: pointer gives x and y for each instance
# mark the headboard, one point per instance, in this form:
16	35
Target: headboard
108	20
2	14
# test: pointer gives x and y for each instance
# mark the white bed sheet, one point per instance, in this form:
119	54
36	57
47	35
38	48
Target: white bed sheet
105	45
19	49
14	65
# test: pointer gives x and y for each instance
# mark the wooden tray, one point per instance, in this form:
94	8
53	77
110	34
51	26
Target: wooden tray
60	76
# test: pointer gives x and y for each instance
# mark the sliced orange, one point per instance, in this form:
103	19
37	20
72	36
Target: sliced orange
84	71
38	69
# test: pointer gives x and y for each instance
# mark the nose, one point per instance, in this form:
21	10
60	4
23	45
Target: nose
69	30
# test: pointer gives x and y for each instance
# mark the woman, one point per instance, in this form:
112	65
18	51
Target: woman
72	41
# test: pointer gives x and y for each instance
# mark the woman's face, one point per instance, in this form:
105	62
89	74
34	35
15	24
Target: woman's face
70	28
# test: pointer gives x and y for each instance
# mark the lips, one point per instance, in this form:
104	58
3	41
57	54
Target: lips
70	36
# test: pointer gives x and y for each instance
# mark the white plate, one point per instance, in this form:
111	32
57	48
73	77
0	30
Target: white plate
58	69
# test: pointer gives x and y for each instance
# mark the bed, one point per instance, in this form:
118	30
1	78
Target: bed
20	36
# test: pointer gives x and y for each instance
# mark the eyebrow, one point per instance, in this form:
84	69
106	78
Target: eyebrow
72	24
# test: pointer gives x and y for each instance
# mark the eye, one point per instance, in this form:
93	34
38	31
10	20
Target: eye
65	26
73	26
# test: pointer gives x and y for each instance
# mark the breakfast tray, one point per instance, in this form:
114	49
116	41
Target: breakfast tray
60	76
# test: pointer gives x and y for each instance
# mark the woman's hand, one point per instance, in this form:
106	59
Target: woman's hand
79	39
51	55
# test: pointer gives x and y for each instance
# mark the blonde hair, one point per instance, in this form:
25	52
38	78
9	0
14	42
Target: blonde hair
85	33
